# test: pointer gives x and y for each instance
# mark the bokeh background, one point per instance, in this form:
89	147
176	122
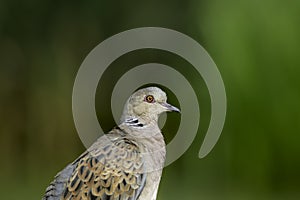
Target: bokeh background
254	43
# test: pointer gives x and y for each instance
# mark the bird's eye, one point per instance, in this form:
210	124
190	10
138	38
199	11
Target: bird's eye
149	98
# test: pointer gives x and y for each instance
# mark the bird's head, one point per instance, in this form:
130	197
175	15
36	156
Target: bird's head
147	104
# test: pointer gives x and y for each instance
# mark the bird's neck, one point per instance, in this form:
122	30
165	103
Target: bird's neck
140	127
140	122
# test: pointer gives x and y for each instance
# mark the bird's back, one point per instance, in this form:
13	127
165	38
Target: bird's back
112	168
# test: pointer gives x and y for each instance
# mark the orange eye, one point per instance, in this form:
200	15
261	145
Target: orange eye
149	98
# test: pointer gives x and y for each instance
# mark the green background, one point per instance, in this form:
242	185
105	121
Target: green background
255	45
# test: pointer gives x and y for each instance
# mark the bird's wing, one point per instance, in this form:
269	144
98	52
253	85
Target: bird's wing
112	169
57	186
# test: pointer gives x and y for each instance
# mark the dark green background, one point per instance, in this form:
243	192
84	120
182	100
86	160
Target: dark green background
255	45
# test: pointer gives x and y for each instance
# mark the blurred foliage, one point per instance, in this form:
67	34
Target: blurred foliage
254	43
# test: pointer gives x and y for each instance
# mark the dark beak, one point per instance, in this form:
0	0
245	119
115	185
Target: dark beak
170	108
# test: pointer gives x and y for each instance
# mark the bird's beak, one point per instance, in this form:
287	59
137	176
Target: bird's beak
169	107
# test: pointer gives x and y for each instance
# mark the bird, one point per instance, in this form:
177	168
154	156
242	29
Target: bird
124	164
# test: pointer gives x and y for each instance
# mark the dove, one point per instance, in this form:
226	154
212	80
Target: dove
124	164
